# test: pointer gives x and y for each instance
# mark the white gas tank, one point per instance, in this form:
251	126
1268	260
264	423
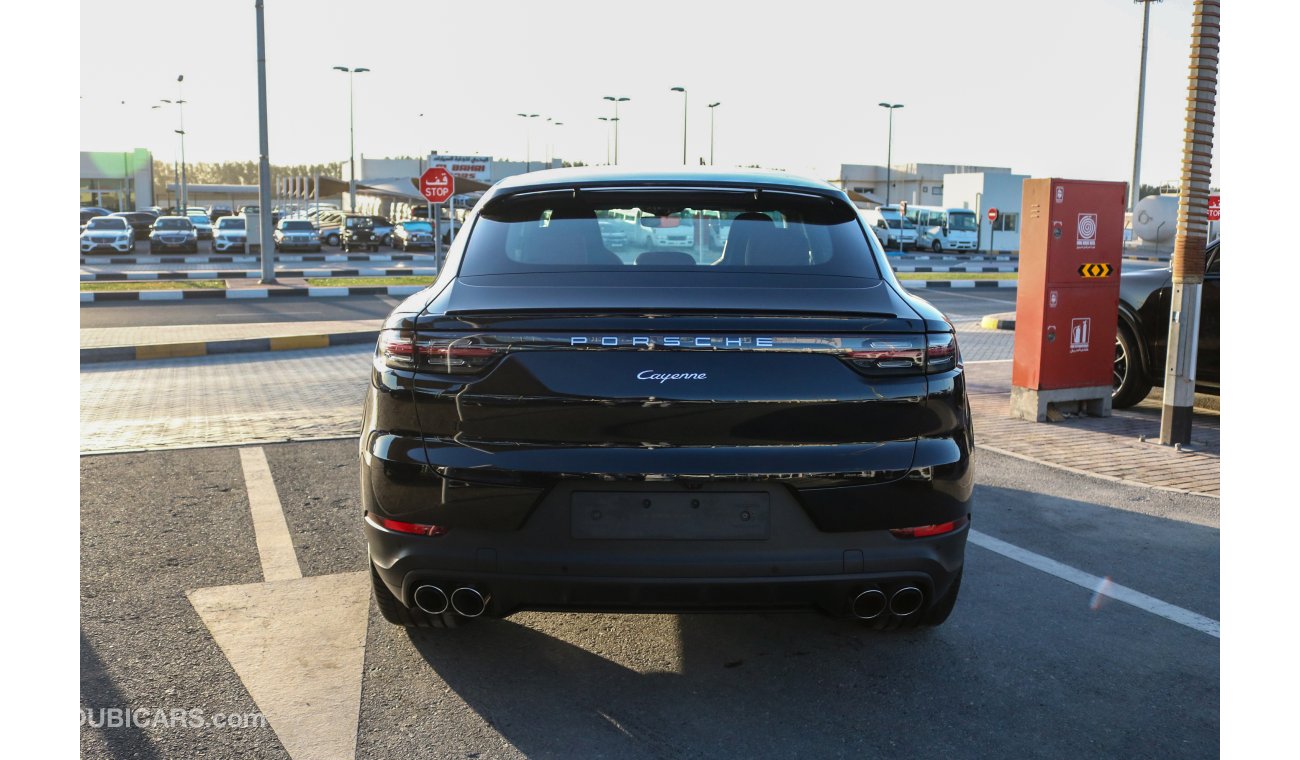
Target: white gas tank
1156	218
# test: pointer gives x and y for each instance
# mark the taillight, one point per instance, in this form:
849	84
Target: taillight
416	529
889	354
449	354
924	531
940	352
904	354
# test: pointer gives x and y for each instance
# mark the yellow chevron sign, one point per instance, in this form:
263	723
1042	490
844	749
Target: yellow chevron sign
1094	270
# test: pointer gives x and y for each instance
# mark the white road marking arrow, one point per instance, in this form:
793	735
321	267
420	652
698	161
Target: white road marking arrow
298	644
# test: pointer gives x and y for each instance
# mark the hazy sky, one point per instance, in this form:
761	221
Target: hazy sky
1047	87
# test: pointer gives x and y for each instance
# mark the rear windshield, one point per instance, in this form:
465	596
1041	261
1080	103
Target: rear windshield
657	229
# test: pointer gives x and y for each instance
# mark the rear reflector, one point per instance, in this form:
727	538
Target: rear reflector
924	531
405	527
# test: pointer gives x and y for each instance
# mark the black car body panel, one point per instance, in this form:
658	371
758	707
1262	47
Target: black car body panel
617	436
1144	312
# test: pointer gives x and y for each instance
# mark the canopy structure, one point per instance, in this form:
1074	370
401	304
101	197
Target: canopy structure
407	188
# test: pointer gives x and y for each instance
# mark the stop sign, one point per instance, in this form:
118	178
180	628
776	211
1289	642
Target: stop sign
1214	208
437	184
993	215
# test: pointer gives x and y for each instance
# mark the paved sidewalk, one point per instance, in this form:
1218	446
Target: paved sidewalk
99	337
1107	447
112	344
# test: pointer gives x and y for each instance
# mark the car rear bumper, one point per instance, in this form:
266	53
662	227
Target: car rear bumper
522	537
122	247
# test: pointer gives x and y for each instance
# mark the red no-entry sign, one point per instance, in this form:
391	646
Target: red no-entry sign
993	215
437	184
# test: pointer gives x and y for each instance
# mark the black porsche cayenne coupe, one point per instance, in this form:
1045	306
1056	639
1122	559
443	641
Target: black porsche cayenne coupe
742	410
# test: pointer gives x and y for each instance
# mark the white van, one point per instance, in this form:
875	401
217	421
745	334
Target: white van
890	227
944	229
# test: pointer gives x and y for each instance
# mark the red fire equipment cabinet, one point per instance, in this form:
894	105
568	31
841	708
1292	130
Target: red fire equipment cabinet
1067	298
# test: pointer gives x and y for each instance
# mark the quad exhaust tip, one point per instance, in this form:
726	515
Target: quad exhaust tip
431	600
870	604
906	601
469	602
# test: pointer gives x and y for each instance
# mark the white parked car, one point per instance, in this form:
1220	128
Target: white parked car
110	233
230	234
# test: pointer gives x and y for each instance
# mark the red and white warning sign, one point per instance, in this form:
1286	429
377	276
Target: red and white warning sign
1214	208
1080	334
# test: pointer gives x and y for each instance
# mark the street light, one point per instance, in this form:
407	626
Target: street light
609	122
352	137
711	107
550	143
1135	189
685	97
889	157
180	106
616	100
529	134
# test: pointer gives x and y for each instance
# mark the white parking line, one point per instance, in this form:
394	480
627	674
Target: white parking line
274	545
1100	586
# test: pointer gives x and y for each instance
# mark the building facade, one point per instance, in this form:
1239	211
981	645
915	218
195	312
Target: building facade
981	191
918	184
118	181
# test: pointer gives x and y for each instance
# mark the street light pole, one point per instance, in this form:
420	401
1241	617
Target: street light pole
264	216
616	100
608	123
1135	189
528	135
711	107
352	137
889	158
682	90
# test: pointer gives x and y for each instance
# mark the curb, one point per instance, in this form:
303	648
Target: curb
949	257
1003	321
213	347
243	259
1158	259
954	269
958	283
215	293
253	274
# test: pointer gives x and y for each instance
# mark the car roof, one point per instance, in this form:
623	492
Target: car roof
615	175
186	218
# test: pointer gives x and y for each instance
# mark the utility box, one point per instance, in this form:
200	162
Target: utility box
252	231
1067	298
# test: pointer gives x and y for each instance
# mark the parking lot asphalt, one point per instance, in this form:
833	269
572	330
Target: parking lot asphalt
1030	665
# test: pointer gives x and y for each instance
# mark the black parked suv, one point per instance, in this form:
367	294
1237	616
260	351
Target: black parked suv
358	231
776	425
1142	341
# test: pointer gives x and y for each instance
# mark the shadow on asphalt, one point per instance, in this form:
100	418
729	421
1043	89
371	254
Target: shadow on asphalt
98	693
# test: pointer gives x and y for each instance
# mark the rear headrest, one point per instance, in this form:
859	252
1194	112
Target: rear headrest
742	229
665	259
560	242
778	248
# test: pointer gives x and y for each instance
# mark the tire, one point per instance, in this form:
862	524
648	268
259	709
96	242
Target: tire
333	239
388	240
1129	382
399	614
936	246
